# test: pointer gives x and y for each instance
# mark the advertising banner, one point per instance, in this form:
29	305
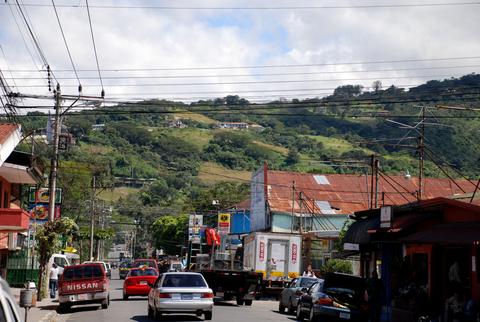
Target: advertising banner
224	223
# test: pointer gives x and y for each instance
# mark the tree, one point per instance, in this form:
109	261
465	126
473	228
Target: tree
48	242
292	157
169	232
377	86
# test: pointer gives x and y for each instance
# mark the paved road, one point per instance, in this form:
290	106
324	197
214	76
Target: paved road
135	309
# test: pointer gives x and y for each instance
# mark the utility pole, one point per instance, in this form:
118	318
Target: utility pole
293	206
52	184
372	182
92	218
376	164
421	148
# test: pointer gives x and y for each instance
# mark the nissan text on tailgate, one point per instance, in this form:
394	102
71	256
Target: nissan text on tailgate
83	284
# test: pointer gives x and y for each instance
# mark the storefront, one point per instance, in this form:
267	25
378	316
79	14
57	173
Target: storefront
427	254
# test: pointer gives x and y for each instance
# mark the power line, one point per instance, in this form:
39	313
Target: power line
269	8
95	48
274	66
66	45
258	82
251	75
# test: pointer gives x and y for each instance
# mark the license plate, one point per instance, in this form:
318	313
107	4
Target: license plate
345	316
82	297
143	282
187	296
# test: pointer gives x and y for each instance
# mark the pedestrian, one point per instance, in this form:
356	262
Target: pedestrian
53	281
309	272
374	292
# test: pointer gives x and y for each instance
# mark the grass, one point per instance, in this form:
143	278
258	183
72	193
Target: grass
196	117
117	193
96	149
211	173
275	148
337	144
198	137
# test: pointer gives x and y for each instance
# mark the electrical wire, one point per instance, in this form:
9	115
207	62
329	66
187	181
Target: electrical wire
95	48
371	62
271	8
66	45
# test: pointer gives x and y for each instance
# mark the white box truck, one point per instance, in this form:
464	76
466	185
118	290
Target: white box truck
276	255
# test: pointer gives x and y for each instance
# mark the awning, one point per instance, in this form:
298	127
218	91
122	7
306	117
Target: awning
357	233
460	233
14	173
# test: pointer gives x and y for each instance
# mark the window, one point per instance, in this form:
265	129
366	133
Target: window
294	283
314	288
307	282
143	272
83	272
184	280
60	261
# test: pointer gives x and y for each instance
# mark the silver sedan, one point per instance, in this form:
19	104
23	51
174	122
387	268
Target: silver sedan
180	293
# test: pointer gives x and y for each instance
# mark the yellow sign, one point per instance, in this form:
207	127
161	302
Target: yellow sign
224	223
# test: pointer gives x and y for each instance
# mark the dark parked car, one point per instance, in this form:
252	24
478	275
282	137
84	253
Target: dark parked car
291	294
340	297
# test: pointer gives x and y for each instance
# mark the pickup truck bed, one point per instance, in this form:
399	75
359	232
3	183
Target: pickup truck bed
243	285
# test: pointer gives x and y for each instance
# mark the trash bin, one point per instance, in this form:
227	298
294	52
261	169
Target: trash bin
26	298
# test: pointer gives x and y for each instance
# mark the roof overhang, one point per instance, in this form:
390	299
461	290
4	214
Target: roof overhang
15	173
9	144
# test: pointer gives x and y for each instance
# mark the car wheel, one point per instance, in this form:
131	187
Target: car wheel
239	301
299	313
208	316
150	312
290	307
248	302
63	308
105	303
312	317
281	307
125	296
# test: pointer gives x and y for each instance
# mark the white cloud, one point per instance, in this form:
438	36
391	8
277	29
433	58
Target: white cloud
141	38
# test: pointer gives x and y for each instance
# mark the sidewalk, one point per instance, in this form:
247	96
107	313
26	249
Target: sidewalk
45	311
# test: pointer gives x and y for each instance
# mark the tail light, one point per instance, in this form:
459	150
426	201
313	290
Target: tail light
207	295
104	286
326	301
164	295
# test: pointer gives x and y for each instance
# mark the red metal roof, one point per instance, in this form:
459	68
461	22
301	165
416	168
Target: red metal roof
6	129
347	193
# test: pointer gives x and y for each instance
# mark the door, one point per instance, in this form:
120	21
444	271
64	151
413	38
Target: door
277	253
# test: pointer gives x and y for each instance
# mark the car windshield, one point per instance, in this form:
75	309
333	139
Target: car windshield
143	272
144	263
82	272
183	280
307	282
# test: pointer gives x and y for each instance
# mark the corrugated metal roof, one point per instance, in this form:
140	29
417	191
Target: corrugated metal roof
347	193
6	129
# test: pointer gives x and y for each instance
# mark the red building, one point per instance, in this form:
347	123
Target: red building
426	252
16	169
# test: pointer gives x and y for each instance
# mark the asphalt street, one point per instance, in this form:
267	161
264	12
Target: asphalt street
135	309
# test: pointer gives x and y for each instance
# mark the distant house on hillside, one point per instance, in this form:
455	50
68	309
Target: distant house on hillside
319	205
177	123
98	127
233	125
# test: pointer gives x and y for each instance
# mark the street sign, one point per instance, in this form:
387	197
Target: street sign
224	223
42	195
195	222
386	217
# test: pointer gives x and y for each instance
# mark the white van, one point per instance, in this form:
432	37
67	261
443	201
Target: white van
61	260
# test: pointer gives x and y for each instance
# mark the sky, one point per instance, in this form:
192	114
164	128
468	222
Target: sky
258	49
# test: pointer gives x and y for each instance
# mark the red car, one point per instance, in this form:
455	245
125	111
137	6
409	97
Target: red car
145	262
138	280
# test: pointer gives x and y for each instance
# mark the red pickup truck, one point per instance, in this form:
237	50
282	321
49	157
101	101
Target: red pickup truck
83	284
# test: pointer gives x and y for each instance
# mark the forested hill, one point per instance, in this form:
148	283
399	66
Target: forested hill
180	148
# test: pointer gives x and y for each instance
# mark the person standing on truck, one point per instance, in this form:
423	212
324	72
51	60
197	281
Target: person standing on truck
53	281
309	272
